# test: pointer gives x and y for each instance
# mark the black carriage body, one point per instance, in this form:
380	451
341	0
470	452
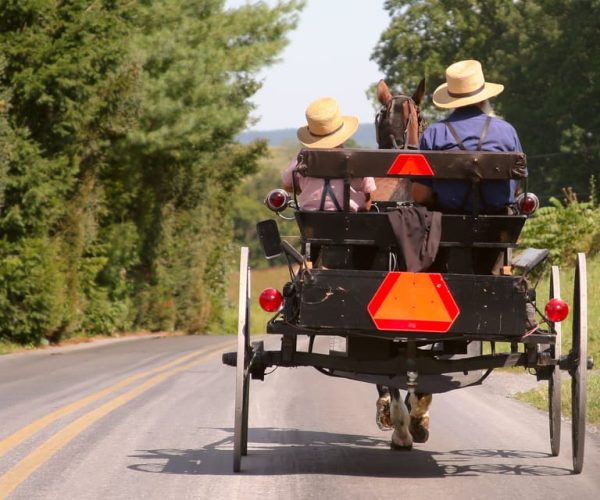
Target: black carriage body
334	302
346	301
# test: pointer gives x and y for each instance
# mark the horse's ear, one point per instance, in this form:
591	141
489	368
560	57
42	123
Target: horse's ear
419	93
383	93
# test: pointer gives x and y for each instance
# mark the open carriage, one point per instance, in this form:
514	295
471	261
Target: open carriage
420	331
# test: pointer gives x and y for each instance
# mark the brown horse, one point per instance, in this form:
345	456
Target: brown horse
399	126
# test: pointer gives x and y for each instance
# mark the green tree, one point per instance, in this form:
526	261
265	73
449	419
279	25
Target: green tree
177	170
64	80
118	159
544	53
250	209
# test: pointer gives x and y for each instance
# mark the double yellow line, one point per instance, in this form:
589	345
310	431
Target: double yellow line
22	470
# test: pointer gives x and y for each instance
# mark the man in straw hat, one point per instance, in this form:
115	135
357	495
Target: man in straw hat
327	128
469	127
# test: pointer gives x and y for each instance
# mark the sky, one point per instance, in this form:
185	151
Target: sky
328	55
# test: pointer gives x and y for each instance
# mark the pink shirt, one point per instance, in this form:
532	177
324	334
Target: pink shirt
312	190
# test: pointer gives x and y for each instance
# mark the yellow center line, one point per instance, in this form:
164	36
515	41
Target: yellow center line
22	470
29	430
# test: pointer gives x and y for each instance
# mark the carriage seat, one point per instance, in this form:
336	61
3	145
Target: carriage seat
369	235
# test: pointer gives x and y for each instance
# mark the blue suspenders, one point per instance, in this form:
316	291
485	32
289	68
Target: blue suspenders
476	193
328	191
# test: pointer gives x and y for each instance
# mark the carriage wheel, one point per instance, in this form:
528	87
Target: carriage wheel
242	380
554	399
579	367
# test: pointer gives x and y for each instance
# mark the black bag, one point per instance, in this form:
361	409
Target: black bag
418	232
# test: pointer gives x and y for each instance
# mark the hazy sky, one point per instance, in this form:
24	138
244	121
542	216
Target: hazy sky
328	55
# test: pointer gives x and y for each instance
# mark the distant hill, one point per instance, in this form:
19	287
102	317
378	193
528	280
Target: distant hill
364	136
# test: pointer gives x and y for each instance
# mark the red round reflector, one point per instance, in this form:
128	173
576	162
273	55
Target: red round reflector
527	203
277	200
270	300
557	310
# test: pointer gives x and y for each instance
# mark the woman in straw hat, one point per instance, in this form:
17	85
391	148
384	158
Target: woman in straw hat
472	127
327	128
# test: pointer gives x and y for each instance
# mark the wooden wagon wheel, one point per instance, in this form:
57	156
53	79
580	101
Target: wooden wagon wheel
242	379
578	368
554	397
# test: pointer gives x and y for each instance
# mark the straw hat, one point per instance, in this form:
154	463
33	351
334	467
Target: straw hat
464	85
327	128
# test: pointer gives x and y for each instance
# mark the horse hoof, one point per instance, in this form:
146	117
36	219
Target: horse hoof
418	431
398	447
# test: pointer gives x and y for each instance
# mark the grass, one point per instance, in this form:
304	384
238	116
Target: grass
9	347
272	277
539	397
566	288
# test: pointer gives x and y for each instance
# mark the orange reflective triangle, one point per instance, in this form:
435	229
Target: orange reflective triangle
411	164
414	297
413	302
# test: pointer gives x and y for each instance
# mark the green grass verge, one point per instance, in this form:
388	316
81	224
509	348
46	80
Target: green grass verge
539	397
566	288
273	277
9	347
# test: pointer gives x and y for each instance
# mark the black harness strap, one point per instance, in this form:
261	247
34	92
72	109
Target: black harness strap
328	191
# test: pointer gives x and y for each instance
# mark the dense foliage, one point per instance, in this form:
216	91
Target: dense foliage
249	207
117	158
565	227
543	51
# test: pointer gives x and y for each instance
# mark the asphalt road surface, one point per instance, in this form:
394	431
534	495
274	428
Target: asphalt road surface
152	418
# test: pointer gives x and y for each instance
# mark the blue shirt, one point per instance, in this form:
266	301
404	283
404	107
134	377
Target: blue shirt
468	122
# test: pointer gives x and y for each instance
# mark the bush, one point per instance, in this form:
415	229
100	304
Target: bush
564	228
32	292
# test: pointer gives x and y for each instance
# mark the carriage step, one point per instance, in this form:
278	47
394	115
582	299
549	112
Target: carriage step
229	358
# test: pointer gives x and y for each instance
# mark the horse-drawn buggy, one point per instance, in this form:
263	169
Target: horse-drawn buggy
424	327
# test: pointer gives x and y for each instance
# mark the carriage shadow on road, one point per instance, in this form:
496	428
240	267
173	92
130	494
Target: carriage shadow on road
273	451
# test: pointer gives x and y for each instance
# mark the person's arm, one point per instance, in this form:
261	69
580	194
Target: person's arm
367	202
287	178
367	187
422	194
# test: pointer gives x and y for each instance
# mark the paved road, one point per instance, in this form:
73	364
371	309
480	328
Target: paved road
153	419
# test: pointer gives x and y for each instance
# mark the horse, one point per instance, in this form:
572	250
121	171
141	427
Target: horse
399	125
